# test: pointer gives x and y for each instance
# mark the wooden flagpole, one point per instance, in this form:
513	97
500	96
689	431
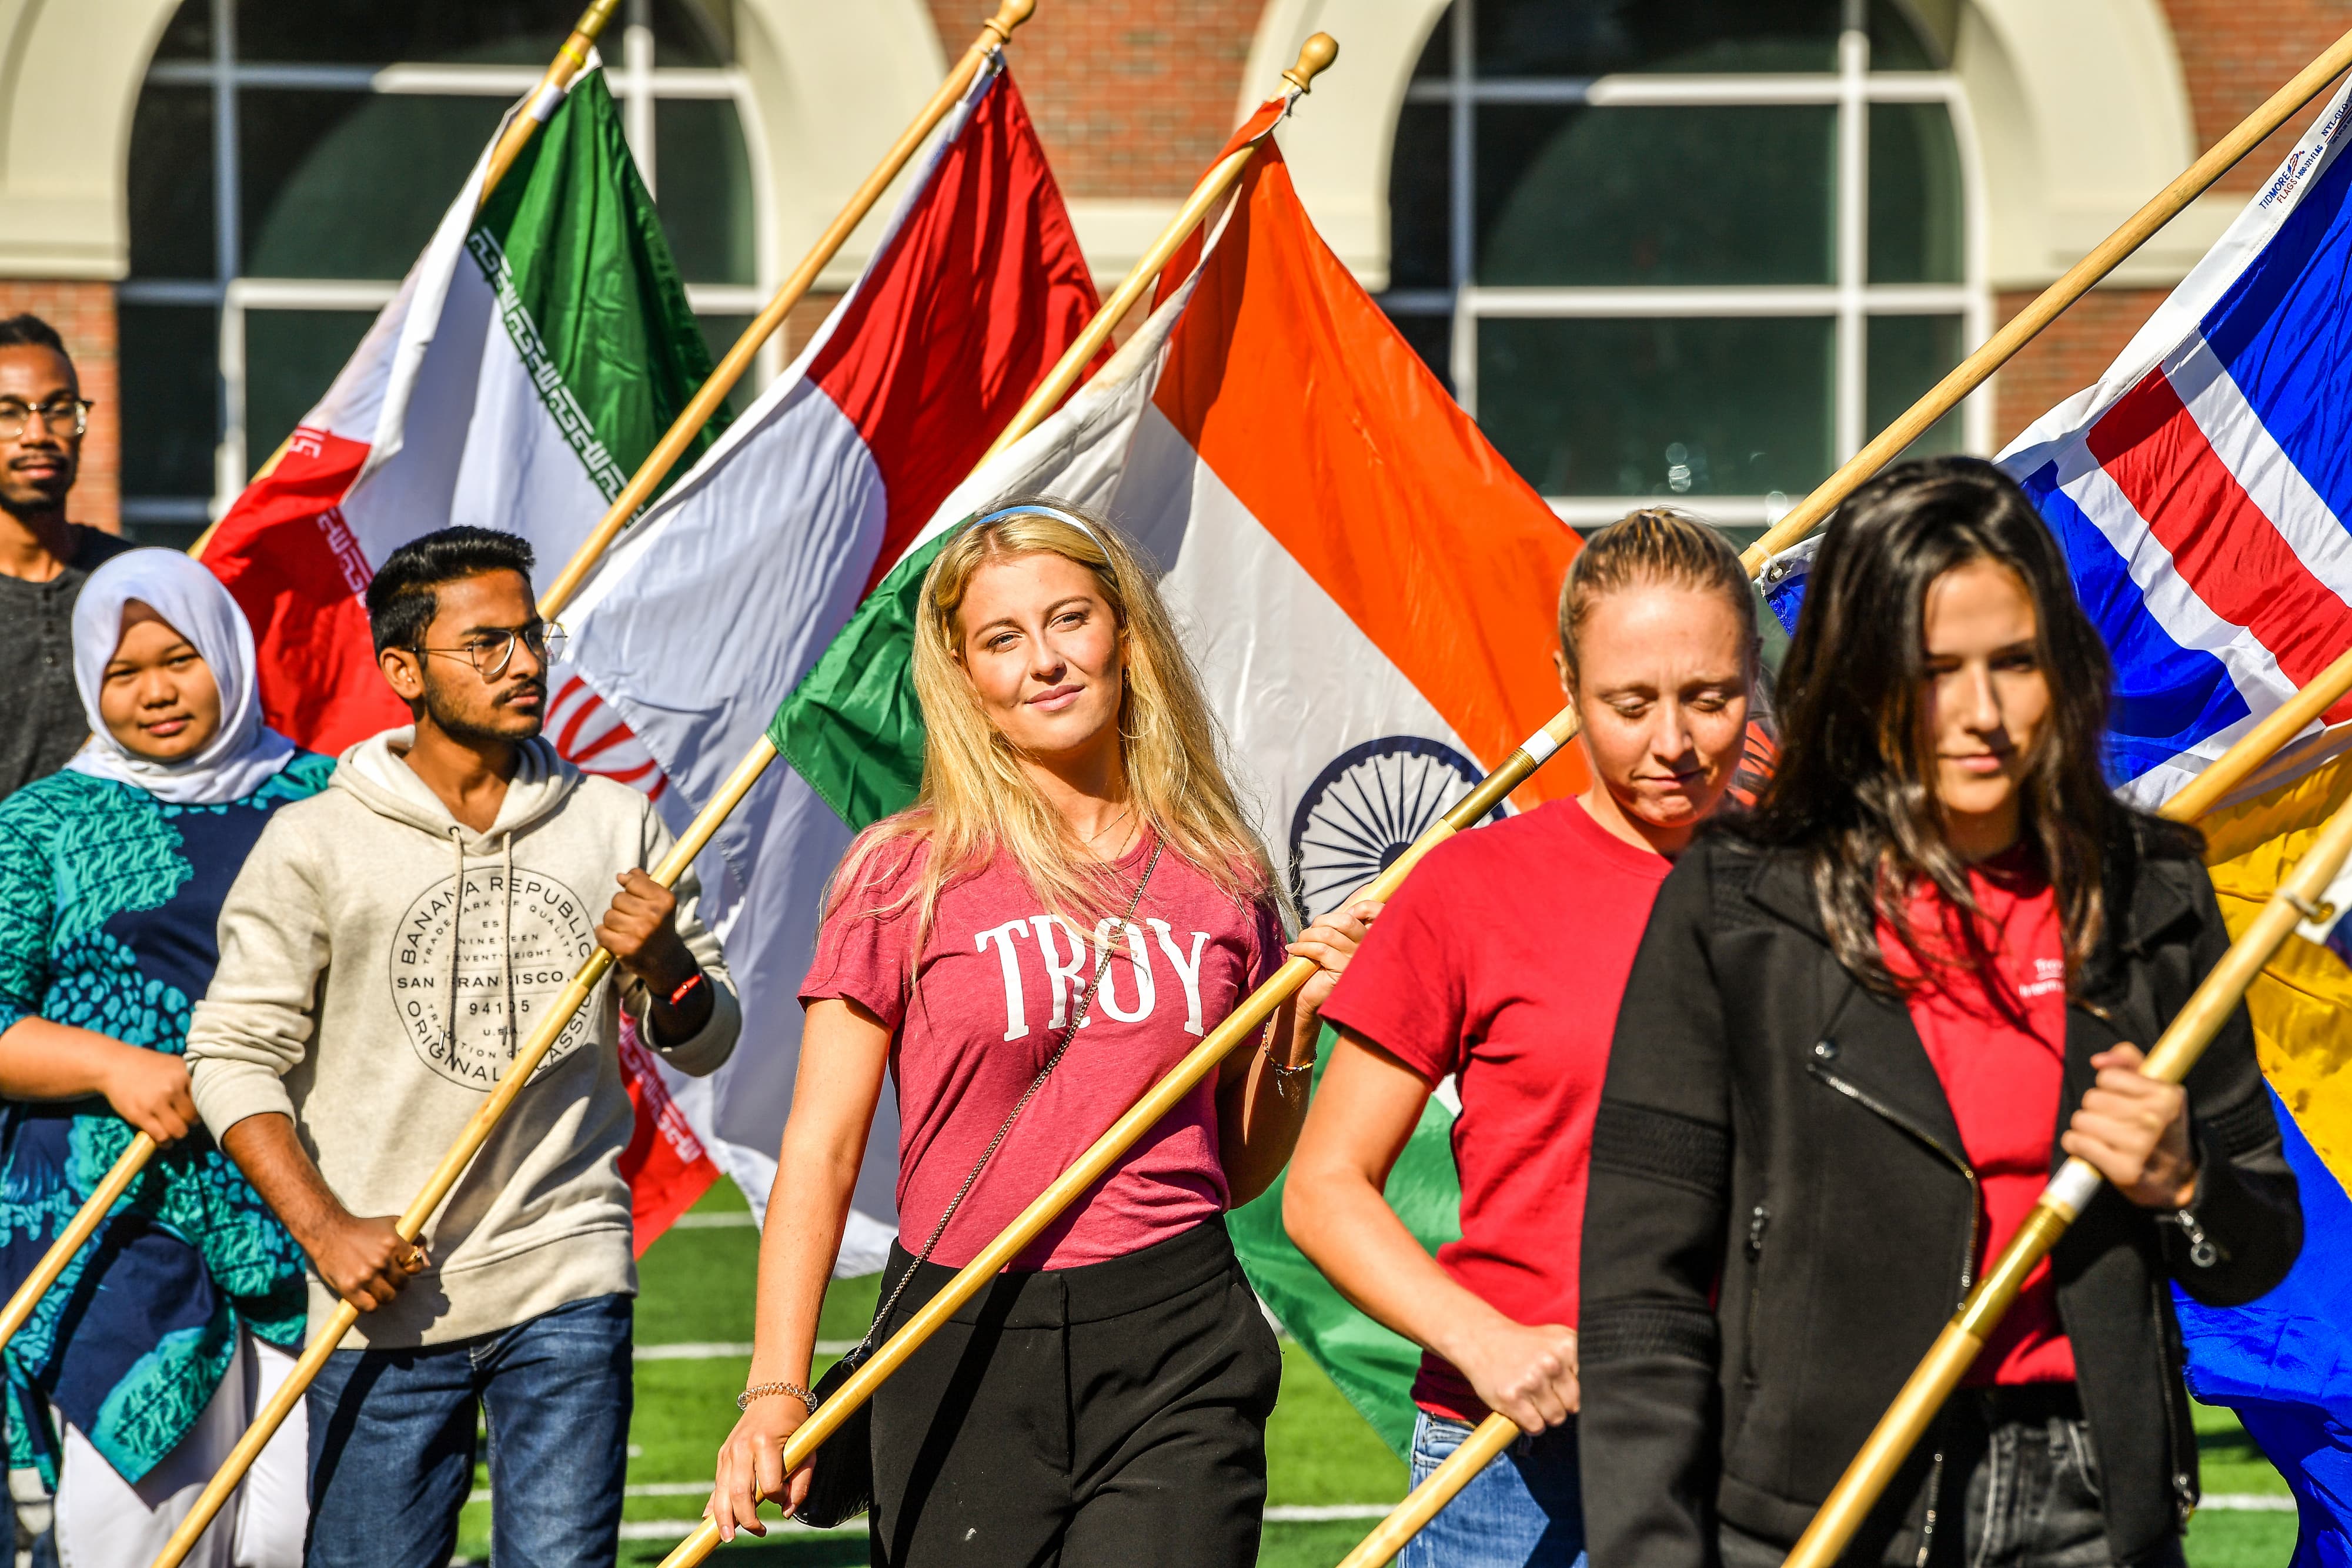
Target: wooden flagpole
2252	750
2076	1183
575	995
993	34
1973	372
571	58
1238	1029
78	1229
1314	57
2259	744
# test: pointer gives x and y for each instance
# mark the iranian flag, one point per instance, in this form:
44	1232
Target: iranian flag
1366	585
533	355
726	592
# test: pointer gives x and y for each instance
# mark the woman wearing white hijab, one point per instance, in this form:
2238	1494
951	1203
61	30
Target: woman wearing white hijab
143	1365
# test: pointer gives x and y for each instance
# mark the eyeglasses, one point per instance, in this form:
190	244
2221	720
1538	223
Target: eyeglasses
56	414
491	651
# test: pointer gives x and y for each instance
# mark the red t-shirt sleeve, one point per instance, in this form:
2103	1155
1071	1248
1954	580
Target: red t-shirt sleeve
1406	989
864	957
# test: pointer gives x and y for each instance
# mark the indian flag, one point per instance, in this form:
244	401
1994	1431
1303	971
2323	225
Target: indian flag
532	358
1366	585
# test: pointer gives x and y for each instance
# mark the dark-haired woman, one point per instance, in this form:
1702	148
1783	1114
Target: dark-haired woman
1466	978
1863	1028
137	1371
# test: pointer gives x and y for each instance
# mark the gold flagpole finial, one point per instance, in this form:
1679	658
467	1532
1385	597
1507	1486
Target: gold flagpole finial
1315	58
1009	15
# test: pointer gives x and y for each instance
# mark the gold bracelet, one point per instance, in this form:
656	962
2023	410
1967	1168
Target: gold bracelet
763	1390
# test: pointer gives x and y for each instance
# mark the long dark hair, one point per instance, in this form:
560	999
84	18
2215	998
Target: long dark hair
1854	789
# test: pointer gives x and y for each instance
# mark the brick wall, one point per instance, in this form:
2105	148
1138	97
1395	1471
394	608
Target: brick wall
83	314
2068	355
1131	100
800	324
2236	53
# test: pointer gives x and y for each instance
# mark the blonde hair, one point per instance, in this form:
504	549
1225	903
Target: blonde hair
978	800
1657	545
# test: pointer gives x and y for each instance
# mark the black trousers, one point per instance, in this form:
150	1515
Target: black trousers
1111	1414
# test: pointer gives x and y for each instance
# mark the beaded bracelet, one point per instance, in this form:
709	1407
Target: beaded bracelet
762	1391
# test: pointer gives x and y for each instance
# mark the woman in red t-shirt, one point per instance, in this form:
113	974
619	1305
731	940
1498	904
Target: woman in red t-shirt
1497	969
1074	901
1865	1024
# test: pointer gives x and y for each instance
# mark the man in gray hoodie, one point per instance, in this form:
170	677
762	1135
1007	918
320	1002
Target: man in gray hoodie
384	954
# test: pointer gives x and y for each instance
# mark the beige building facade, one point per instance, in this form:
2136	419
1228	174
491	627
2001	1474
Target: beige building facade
1688	248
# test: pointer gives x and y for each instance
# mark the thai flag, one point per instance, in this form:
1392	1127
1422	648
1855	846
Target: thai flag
2202	491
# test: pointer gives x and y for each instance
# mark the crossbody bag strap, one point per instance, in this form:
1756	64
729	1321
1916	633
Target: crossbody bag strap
1078	1017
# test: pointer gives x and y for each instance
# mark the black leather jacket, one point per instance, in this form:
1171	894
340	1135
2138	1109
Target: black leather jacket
1781	1218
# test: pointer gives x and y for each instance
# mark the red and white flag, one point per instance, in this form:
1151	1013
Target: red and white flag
717	601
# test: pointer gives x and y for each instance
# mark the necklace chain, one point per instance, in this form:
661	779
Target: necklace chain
1124	811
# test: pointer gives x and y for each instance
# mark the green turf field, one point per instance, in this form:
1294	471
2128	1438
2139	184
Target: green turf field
694	1331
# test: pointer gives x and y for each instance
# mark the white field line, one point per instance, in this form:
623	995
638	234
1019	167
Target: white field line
722	1220
1309	1513
725	1349
648	1530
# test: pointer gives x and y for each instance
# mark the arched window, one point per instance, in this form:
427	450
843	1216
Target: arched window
1697	250
289	161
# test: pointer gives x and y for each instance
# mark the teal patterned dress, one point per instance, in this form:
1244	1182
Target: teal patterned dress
110	901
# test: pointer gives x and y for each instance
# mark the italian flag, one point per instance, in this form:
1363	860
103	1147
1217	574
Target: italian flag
731	585
533	355
1366	586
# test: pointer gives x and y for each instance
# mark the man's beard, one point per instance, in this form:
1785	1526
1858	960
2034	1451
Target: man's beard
454	724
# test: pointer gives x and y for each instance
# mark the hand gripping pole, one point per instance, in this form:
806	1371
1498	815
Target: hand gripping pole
2076	1183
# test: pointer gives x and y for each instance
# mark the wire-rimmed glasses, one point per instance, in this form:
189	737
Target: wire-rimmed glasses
491	651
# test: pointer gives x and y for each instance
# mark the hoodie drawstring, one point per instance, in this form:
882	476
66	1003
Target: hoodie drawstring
506	941
457	938
506	945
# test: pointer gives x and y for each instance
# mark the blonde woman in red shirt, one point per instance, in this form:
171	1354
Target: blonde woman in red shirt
1498	966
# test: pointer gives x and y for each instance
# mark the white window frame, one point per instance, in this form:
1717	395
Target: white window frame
636	83
1851	301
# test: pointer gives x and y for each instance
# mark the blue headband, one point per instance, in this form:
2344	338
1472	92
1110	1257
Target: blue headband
1037	510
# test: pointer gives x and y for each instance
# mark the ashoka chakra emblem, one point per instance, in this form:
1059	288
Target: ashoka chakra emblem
1365	809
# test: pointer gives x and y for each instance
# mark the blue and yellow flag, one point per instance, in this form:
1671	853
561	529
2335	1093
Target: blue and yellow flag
2284	1363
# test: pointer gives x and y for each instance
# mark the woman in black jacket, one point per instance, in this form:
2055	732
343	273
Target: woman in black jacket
1865	1024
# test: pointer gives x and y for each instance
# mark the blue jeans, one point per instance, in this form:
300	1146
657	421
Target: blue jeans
392	1445
1524	1510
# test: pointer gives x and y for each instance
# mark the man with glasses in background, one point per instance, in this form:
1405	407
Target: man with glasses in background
385	951
43	560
